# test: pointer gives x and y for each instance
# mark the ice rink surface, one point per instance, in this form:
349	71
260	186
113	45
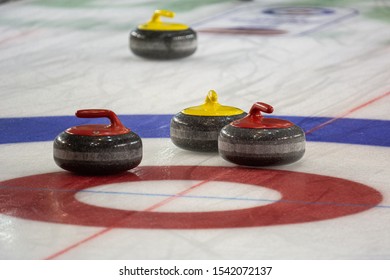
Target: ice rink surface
322	64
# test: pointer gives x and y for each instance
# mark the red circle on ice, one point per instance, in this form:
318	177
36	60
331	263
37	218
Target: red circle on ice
305	198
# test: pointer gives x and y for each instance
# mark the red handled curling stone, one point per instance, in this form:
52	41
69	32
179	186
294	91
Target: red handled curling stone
197	128
258	141
98	149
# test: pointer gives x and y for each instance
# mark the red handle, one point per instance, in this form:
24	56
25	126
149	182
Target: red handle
256	121
259	107
101	113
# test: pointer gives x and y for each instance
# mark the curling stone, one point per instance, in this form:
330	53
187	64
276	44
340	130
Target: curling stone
162	40
258	141
98	149
197	128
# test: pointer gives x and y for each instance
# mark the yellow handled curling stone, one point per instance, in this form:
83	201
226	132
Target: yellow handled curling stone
163	40
197	128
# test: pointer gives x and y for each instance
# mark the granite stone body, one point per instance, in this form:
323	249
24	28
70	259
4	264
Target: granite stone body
199	133
163	44
261	147
97	155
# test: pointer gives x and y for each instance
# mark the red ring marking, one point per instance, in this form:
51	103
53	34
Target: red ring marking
305	198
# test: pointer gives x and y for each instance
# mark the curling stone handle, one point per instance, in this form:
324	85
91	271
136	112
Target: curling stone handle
161	13
259	107
101	113
212	97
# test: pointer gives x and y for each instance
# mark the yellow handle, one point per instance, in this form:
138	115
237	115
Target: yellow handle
212	97
211	107
155	23
161	13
